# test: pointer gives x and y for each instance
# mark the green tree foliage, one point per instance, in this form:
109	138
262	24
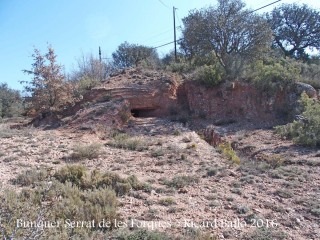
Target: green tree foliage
128	55
296	28
210	75
11	103
306	130
235	35
48	89
274	73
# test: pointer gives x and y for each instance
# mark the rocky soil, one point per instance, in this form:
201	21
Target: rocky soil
272	194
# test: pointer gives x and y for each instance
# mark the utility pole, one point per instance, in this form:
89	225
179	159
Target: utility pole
174	32
99	53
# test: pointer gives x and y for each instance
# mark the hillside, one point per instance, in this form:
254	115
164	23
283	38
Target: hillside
169	133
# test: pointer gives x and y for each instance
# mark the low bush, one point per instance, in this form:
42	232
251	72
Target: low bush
210	75
157	152
78	176
305	131
167	201
228	151
86	151
75	174
69	195
181	181
85	84
58	203
124	141
272	74
264	234
30	177
310	73
183	66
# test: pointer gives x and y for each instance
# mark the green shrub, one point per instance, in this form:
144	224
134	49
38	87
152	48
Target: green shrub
75	174
84	205
271	74
310	73
86	151
210	75
167	201
71	195
182	181
182	66
228	151
135	183
124	141
58	202
85	84
157	152
78	176
30	177
264	234
11	102
307	131
111	180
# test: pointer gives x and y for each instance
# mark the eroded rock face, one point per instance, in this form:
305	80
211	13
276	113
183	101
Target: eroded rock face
243	102
156	94
150	94
114	113
47	120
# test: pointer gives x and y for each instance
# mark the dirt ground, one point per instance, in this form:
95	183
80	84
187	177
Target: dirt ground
274	191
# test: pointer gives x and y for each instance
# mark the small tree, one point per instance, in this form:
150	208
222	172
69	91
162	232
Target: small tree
10	101
295	29
128	55
47	90
235	35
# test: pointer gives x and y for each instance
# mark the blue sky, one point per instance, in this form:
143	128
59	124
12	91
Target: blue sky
76	27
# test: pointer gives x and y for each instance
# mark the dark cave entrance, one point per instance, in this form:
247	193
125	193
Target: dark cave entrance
143	113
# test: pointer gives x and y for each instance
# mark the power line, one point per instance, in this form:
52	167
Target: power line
265	6
165	44
157	35
163	4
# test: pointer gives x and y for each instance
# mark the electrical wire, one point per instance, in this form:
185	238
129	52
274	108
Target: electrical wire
163	4
165	44
264	6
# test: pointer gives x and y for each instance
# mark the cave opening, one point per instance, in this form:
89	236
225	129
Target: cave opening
143	113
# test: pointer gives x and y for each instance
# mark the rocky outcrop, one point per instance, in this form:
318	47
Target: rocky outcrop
150	94
243	102
113	113
156	94
46	120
